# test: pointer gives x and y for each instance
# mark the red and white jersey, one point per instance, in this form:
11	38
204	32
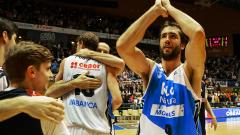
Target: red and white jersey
86	108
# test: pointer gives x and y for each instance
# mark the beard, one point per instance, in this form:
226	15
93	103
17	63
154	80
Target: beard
172	55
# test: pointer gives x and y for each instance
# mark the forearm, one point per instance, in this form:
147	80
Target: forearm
209	108
115	91
134	34
11	107
107	59
188	25
59	88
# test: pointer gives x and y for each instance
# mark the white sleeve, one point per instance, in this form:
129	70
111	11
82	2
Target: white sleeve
3	83
50	128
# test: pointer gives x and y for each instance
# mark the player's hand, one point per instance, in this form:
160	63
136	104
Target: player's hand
160	9
43	108
84	82
214	123
166	3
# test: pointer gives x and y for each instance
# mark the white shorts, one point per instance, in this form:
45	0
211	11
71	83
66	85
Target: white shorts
77	130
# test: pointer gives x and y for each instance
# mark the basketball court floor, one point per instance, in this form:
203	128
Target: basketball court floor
226	126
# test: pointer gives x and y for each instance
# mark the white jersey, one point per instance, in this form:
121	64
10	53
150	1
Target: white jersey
86	108
3	80
50	128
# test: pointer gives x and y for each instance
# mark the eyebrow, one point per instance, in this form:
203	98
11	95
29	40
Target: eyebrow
169	33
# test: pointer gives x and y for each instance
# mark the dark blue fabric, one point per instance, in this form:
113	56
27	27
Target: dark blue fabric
21	124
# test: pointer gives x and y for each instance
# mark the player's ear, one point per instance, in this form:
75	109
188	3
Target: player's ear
31	72
182	46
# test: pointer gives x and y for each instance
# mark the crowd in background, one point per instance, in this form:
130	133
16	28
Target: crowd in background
37	12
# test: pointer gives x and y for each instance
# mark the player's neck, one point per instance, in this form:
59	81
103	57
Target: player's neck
22	85
170	65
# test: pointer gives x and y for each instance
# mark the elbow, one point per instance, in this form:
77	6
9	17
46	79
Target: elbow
122	65
199	32
121	48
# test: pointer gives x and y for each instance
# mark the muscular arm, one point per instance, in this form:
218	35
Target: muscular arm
113	87
126	44
39	107
10	107
107	59
195	49
60	87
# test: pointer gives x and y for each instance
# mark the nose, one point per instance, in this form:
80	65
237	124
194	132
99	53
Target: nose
167	39
50	74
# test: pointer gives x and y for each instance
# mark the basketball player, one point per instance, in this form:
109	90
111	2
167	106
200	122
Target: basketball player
85	104
173	89
7	39
37	107
112	82
28	68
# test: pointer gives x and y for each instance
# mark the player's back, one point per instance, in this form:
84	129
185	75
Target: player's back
86	108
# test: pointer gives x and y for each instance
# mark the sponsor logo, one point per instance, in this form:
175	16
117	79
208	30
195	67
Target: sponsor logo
75	65
167	112
85	104
233	112
167	95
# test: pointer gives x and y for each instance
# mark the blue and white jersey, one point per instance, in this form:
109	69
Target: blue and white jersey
86	108
170	104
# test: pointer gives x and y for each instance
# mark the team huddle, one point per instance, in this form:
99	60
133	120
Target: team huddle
86	90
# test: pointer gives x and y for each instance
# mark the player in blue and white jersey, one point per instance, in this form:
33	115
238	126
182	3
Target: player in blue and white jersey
173	89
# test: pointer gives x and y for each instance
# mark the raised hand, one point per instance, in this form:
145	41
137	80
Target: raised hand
162	10
166	3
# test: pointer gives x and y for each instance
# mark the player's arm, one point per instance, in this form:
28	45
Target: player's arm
10	107
61	87
107	59
126	44
113	87
38	107
209	110
195	49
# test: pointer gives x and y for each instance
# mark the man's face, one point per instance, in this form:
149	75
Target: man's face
103	48
10	43
170	43
42	77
